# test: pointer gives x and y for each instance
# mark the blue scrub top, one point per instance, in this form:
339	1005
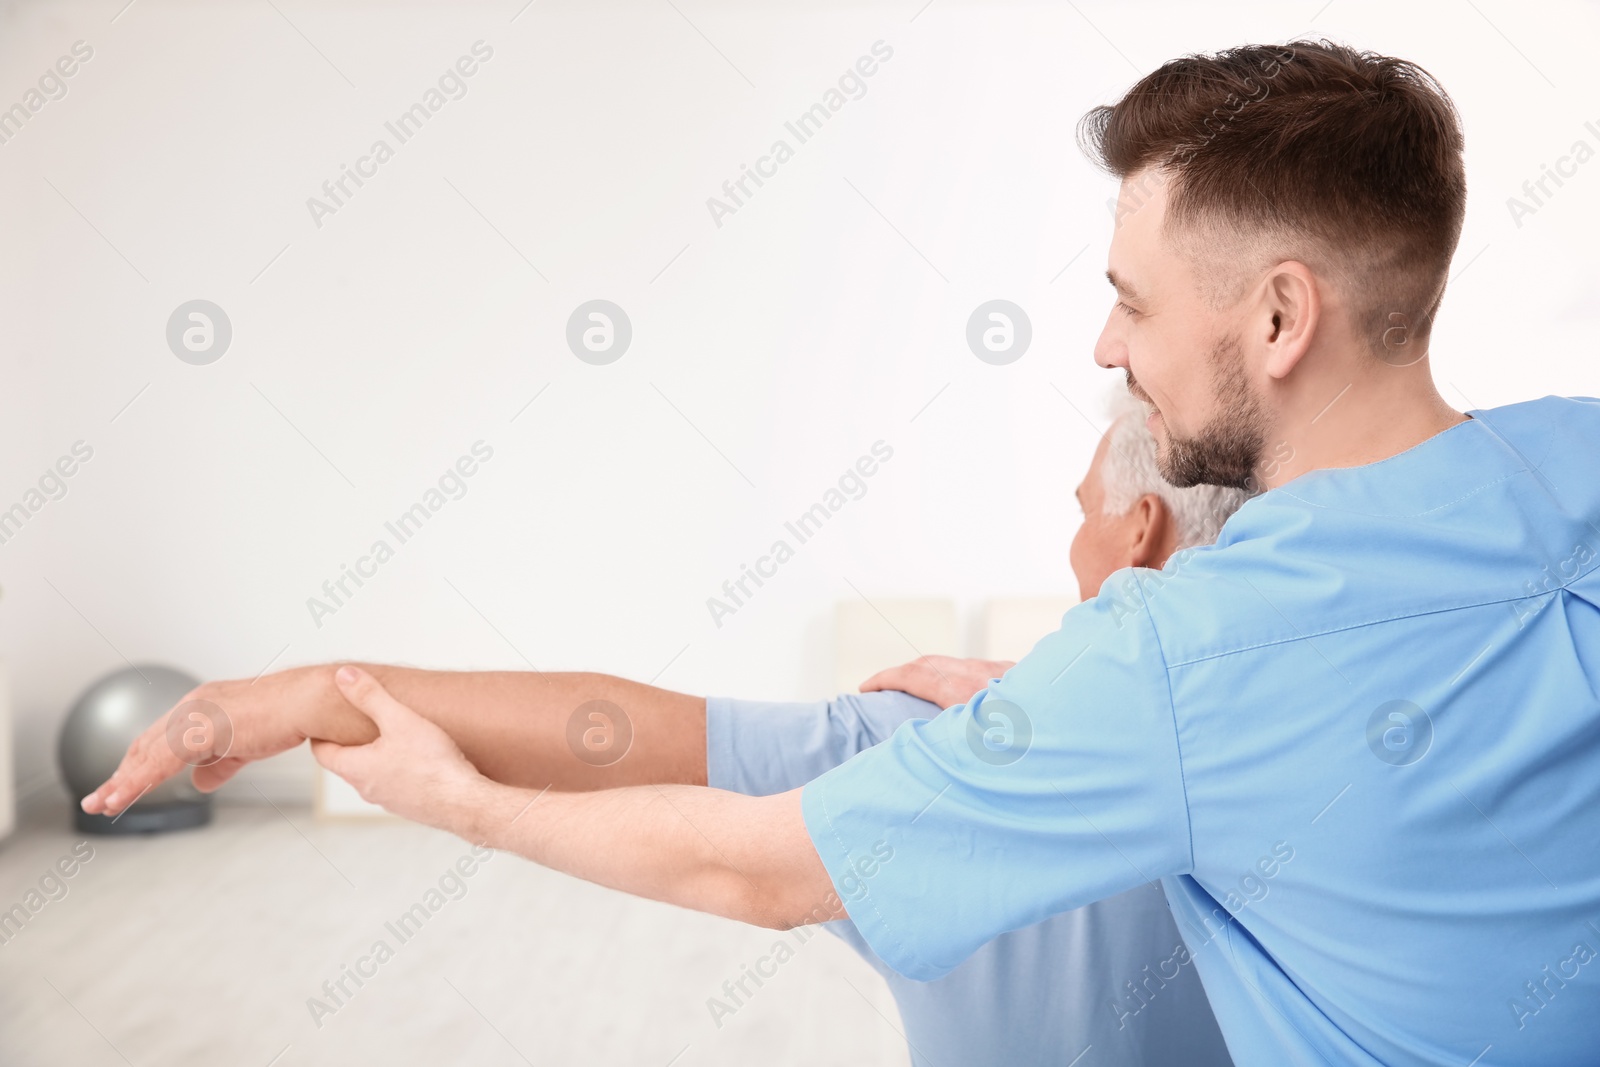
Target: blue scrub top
1107	985
1358	739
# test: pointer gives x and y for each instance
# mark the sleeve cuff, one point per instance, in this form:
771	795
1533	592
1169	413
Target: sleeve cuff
851	874
722	769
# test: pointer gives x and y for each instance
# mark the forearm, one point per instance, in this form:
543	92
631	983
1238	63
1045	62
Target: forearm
514	726
740	857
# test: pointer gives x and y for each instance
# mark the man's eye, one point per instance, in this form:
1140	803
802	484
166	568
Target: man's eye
1126	310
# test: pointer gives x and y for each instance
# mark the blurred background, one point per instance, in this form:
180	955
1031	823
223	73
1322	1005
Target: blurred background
357	336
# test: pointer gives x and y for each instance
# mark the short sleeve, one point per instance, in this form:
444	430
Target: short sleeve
760	747
1058	785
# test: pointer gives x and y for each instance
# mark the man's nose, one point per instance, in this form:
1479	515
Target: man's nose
1109	351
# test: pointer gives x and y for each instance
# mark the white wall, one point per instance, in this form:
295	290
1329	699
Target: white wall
802	330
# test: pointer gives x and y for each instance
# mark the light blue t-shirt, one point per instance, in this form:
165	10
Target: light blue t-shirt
1107	985
1358	739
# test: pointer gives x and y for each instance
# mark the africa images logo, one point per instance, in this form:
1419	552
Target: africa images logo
1399	733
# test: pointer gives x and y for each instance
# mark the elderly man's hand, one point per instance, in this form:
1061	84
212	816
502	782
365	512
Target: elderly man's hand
216	729
942	680
414	769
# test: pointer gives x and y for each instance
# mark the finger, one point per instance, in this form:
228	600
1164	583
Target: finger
371	699
335	757
889	679
209	778
148	762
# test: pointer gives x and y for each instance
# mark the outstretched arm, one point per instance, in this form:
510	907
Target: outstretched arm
741	857
746	858
530	729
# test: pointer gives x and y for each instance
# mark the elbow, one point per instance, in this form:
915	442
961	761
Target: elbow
779	881
786	907
772	921
759	904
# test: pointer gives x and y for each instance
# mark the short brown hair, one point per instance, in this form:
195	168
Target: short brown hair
1346	159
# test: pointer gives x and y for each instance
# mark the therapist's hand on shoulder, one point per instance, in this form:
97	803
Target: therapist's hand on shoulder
414	769
942	680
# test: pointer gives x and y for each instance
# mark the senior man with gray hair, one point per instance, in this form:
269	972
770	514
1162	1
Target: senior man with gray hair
1132	517
1110	983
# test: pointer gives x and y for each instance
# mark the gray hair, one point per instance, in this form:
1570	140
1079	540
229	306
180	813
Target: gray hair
1129	471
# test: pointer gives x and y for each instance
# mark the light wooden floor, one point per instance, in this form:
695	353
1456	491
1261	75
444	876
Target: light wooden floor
202	947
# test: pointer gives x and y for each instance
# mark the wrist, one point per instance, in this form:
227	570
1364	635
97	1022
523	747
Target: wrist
472	810
272	706
314	707
305	697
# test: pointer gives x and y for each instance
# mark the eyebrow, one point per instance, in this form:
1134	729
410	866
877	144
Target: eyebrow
1122	286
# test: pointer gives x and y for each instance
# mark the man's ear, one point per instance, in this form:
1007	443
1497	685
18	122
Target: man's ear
1293	306
1153	532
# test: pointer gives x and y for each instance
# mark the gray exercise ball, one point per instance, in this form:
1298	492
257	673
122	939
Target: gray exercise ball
97	733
